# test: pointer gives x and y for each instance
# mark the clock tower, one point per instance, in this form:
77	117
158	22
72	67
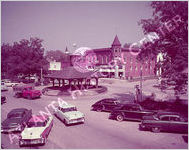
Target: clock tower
116	47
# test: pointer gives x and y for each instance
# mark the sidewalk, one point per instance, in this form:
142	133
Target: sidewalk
147	88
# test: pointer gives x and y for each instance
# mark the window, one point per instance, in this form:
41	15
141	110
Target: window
174	119
166	118
131	68
136	68
131	60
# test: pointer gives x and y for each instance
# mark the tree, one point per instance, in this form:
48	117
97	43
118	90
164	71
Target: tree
170	23
56	55
23	57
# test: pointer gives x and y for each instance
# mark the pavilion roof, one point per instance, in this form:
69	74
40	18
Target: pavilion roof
71	73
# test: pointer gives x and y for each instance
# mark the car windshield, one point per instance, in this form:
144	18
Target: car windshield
69	109
28	88
35	124
16	115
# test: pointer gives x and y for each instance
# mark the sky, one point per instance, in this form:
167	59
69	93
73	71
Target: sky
83	24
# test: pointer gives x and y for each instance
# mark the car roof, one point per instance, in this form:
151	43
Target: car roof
108	99
66	106
38	118
168	113
19	110
130	104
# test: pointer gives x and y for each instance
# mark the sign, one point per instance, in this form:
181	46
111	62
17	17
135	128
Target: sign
55	65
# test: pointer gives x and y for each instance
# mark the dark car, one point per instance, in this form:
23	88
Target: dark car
165	121
130	111
16	120
107	104
3	99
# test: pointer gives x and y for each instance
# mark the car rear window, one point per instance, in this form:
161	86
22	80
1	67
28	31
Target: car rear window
69	109
36	124
15	115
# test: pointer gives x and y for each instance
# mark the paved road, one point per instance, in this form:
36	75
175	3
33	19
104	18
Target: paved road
97	132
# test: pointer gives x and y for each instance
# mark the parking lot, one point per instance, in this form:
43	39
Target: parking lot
97	132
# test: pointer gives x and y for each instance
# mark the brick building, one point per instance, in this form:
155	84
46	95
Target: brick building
115	61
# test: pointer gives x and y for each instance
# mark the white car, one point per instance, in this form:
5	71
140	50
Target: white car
8	83
69	114
36	130
3	87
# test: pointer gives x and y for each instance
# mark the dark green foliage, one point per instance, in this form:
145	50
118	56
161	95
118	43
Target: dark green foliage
173	45
23	57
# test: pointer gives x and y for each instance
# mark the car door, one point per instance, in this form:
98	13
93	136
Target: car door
128	112
109	105
164	123
177	124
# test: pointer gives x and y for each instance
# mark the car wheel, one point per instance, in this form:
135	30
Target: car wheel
29	97
45	140
16	95
119	117
155	129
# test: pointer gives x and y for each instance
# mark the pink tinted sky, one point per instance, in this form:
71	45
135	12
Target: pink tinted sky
60	24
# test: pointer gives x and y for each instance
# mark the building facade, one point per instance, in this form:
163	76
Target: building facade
115	61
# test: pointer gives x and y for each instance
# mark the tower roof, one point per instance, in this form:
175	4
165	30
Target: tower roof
66	51
116	42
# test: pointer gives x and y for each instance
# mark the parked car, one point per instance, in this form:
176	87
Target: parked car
26	91
107	104
131	111
69	114
37	130
16	120
3	87
3	99
165	121
10	83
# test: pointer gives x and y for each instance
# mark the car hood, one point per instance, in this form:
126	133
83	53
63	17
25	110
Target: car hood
74	114
35	91
11	122
32	133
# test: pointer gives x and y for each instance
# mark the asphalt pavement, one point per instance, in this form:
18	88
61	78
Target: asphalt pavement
98	132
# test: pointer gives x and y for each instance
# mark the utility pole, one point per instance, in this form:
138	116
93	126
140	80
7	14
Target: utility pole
41	76
141	83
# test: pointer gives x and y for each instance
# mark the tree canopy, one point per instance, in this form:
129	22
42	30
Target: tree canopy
23	57
170	23
56	55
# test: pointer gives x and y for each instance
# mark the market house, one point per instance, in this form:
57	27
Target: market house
73	78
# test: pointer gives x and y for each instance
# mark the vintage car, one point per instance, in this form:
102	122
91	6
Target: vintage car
3	87
69	114
130	111
165	121
107	104
36	130
10	83
26	91
16	120
3	99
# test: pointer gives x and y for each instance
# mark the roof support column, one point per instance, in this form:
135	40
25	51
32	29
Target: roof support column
53	82
63	82
59	82
96	82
